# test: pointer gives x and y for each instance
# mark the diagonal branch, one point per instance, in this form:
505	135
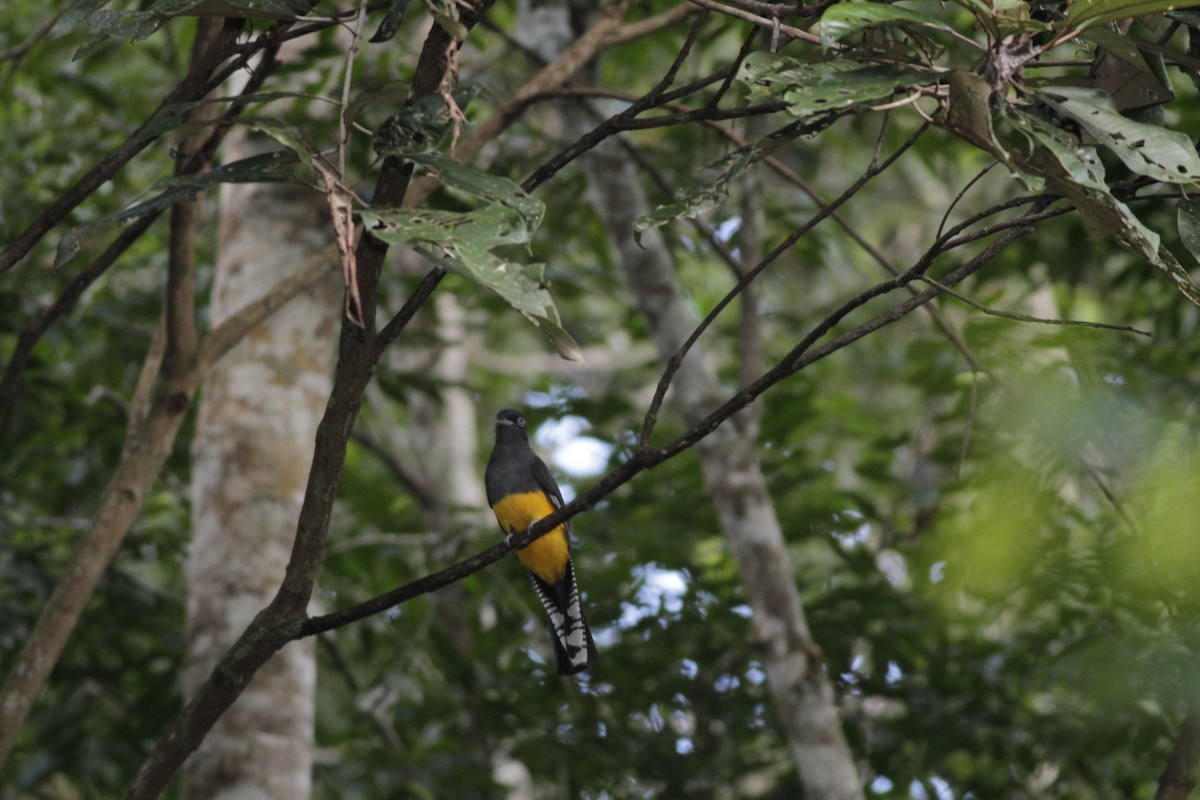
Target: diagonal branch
646	457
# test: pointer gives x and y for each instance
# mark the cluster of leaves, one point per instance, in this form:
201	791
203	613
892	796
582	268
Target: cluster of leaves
995	624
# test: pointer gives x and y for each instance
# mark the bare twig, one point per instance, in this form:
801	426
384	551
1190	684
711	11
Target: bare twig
764	22
1026	317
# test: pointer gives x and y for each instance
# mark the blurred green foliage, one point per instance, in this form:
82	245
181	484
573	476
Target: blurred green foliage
997	564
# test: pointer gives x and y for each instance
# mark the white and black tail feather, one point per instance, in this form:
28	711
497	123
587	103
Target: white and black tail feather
573	647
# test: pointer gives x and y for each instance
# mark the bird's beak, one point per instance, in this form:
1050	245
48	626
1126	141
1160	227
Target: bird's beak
507	422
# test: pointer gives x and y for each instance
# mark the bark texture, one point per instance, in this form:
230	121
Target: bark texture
253	445
802	692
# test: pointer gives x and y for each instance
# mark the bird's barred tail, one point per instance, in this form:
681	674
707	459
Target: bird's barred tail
573	647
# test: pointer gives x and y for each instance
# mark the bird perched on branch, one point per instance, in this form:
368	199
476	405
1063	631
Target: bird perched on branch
521	490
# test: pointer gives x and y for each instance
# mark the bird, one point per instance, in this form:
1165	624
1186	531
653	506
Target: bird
521	491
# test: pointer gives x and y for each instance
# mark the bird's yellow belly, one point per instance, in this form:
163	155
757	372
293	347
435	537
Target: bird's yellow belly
546	557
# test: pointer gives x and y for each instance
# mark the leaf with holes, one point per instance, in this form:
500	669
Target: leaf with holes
484	185
820	87
1078	173
1146	149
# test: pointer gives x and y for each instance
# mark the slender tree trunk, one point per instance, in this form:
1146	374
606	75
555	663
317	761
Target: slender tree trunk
253	444
800	688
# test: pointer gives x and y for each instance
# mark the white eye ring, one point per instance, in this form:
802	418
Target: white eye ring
520	422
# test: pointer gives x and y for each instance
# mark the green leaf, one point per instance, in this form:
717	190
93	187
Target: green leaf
420	127
262	168
1086	13
1146	149
461	242
1188	221
823	86
483	228
1078	173
391	23
692	201
289	136
173	115
484	185
843	19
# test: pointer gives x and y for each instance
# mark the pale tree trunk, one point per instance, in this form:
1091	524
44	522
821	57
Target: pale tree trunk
251	453
799	685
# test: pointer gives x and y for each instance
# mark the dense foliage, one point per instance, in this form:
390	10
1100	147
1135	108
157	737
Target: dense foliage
989	516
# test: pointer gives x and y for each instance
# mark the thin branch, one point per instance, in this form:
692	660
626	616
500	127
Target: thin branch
676	360
192	87
614	125
235	327
1027	318
33	330
646	457
358	352
768	24
396	467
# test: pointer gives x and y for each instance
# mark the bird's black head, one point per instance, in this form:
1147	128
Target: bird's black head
510	419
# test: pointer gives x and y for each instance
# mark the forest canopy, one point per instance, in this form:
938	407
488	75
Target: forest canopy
858	335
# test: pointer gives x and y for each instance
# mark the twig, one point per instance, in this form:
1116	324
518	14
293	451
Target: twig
769	24
676	360
1027	318
646	457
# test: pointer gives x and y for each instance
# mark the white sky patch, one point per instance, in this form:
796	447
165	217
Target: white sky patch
576	455
662	590
728	228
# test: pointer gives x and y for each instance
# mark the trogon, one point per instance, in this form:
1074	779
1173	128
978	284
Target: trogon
521	490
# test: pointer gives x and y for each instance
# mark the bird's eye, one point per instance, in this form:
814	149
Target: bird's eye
520	422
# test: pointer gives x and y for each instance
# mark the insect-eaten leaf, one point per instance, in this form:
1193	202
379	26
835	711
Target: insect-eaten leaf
819	87
461	242
1146	149
1077	172
484	185
420	127
692	201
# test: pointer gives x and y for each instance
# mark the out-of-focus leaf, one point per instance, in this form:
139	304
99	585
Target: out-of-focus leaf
1087	13
263	168
1188	221
172	116
1122	71
843	19
391	23
691	201
1146	149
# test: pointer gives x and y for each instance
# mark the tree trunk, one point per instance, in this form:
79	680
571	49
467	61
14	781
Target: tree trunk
800	688
252	449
